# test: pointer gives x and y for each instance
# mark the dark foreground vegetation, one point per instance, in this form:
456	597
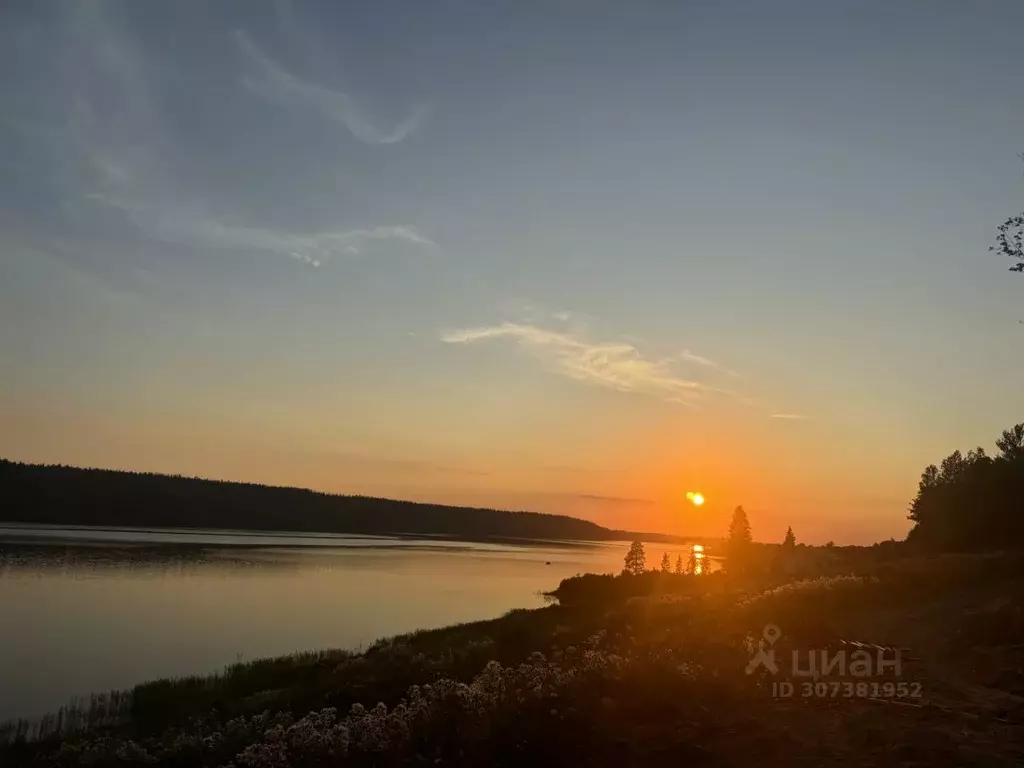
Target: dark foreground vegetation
651	670
60	495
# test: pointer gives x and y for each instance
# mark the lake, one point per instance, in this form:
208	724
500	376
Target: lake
86	610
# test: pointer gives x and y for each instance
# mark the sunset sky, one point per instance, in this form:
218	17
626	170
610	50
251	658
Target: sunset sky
561	256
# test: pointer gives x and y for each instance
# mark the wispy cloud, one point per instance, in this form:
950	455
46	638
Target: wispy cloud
691	357
176	224
793	416
112	148
615	365
530	312
274	83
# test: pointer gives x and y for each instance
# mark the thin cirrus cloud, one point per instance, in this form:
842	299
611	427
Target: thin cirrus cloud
273	82
692	357
790	416
175	224
615	365
126	158
108	144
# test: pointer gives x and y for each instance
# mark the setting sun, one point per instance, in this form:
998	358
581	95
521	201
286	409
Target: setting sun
696	498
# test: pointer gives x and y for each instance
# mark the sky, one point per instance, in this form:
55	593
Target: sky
565	256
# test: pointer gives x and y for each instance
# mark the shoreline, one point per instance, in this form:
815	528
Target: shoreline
271	628
582	680
317	657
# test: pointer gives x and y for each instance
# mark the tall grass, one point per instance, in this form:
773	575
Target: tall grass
161	700
78	715
303	681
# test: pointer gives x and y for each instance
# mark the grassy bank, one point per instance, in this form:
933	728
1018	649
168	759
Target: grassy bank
625	670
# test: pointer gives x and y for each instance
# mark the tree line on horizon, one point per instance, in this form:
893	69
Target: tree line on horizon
738	546
65	495
635	562
973	501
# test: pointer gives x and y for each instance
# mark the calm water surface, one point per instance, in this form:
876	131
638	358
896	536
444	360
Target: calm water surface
84	610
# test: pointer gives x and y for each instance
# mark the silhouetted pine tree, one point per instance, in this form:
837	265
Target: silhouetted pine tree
739	527
692	561
738	544
636	559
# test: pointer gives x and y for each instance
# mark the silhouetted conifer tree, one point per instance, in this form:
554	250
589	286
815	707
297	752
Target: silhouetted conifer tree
636	559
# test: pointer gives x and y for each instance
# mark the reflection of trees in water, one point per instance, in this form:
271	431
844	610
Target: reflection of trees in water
140	560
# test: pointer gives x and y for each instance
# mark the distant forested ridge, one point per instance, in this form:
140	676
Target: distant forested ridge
61	495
